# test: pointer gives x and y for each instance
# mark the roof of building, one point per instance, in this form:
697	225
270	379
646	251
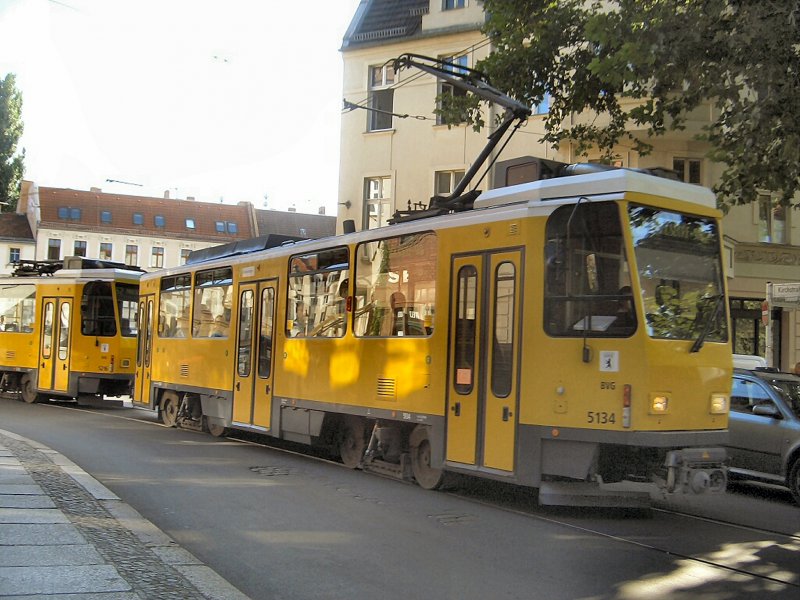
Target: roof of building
295	224
379	20
14	226
178	215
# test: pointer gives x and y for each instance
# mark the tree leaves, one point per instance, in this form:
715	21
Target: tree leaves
641	66
11	162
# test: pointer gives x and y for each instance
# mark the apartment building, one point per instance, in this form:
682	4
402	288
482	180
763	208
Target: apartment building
151	233
395	154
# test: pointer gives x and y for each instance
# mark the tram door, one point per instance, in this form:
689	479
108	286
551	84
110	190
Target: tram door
54	344
144	351
252	387
484	359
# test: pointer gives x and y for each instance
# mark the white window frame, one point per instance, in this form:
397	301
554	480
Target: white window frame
455	176
378	93
687	170
442	87
773	226
378	204
156	257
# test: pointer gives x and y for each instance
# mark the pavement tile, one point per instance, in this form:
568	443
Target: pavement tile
21	490
32	515
25	501
61	580
49	556
25	534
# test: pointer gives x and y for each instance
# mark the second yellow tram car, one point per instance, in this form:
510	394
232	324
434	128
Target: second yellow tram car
68	329
563	334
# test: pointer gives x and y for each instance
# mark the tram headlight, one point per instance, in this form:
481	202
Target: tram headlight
659	404
719	404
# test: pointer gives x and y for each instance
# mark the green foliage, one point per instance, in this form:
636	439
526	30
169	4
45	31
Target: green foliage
11	162
646	64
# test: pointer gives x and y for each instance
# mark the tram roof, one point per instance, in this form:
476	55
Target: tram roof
603	183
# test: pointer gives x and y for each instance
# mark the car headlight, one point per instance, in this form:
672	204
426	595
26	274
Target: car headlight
659	403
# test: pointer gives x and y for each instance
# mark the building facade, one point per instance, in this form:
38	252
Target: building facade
395	154
16	241
150	233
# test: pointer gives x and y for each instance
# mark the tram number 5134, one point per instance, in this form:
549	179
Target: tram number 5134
601	418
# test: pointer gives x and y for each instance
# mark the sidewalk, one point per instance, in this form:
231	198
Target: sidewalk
63	535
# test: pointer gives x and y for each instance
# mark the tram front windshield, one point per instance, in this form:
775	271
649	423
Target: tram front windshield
680	273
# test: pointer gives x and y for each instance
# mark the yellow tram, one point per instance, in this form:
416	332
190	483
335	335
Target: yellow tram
68	329
562	334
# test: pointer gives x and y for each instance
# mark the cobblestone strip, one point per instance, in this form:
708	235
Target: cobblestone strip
150	577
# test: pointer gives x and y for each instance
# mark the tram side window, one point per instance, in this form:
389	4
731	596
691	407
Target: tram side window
317	297
17	307
174	306
127	299
213	291
97	309
587	277
395	291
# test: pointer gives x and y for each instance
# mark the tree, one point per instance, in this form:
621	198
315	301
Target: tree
642	65
11	162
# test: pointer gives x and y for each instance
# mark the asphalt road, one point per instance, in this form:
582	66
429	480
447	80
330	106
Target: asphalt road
284	526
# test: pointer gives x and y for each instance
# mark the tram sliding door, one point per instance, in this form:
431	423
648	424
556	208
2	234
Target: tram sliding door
54	344
144	351
484	360
252	387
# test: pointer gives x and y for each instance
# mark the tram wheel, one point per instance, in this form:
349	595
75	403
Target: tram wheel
427	477
351	442
214	429
170	404
29	393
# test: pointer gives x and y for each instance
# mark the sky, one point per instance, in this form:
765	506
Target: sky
230	101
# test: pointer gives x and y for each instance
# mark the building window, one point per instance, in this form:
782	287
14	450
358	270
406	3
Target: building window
378	201
771	221
159	221
220	226
157	257
452	4
105	216
13	255
190	224
544	106
138	219
232	227
185	255
79	248
446	182
106	250
381	97
687	169
53	249
444	88
66	213
749	332
132	255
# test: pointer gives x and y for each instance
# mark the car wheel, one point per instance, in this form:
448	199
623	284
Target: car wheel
793	480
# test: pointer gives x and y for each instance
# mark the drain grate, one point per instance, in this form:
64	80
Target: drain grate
269	471
454	518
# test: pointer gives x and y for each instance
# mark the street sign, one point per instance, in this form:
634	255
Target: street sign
785	295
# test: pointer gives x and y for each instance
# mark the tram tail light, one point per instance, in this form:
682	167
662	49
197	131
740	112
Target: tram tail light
626	405
719	404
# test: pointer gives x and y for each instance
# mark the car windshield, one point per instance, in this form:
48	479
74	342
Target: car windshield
790	391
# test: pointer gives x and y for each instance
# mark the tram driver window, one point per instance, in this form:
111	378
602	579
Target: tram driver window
587	277
395	291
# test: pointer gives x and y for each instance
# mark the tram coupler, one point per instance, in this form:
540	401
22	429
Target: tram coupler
696	471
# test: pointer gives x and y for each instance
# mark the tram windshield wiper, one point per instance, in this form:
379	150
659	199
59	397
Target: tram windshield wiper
698	343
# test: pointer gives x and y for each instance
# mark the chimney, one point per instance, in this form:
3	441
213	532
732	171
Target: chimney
322	210
292	209
166	194
190	198
95	190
